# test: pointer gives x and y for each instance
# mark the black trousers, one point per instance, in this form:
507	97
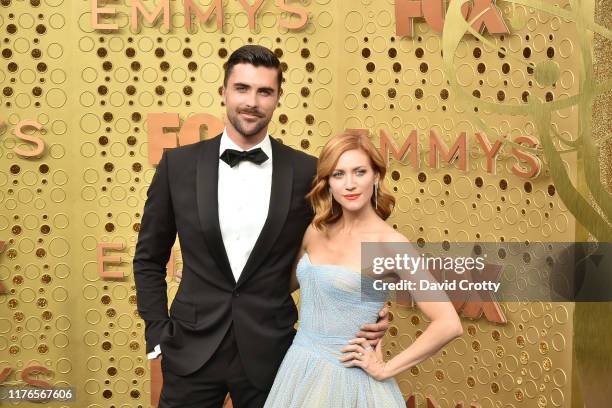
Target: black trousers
208	386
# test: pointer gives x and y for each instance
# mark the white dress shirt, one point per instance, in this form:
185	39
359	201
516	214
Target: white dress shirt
243	202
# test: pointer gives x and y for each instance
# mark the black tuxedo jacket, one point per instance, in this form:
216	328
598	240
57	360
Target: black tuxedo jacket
182	198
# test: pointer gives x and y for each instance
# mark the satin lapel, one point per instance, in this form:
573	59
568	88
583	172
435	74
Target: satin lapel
207	181
280	199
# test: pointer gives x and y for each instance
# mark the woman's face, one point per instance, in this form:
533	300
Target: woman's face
352	180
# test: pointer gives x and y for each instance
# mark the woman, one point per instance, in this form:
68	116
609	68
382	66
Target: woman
324	367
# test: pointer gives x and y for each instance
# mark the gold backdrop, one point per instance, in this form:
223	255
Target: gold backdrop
92	91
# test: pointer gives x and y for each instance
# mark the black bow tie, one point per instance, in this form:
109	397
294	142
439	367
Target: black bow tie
233	157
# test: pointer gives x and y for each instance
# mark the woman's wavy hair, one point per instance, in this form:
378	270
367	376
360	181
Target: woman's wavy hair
326	209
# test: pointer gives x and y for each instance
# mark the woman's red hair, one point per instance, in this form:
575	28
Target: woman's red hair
327	211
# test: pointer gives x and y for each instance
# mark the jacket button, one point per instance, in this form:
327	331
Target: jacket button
236	294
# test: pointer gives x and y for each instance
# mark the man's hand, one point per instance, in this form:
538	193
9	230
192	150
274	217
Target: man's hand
157	380
178	275
375	331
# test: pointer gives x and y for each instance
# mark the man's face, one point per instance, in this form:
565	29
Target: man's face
250	96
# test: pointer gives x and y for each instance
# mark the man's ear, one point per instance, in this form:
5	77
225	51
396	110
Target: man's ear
223	94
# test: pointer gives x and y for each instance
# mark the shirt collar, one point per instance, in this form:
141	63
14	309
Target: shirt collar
227	143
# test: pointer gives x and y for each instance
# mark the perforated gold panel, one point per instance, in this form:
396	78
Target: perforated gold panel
92	90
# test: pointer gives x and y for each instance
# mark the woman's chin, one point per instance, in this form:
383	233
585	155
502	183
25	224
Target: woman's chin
353	207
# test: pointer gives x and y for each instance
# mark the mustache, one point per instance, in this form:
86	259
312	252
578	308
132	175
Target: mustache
253	112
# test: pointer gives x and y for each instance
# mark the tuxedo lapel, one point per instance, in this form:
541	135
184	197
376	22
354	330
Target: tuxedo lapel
207	181
280	199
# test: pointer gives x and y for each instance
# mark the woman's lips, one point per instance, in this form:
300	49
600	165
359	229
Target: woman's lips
352	196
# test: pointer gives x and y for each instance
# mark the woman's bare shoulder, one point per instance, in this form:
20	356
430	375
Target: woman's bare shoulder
387	233
311	234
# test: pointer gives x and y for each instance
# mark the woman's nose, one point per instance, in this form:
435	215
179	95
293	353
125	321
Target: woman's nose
350	185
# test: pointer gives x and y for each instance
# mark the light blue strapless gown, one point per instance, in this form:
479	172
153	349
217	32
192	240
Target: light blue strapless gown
331	312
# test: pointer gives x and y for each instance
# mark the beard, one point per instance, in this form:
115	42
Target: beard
238	124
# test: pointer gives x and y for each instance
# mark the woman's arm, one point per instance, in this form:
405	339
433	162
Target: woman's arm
295	285
444	327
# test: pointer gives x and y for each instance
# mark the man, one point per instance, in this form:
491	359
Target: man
237	203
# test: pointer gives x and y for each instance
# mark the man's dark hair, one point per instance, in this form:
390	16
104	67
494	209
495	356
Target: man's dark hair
255	55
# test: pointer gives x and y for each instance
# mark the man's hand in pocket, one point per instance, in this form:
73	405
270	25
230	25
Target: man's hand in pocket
157	380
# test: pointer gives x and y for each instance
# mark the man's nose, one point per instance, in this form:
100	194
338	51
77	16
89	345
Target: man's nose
251	100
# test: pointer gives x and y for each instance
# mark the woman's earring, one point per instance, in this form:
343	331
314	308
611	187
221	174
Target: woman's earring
376	195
